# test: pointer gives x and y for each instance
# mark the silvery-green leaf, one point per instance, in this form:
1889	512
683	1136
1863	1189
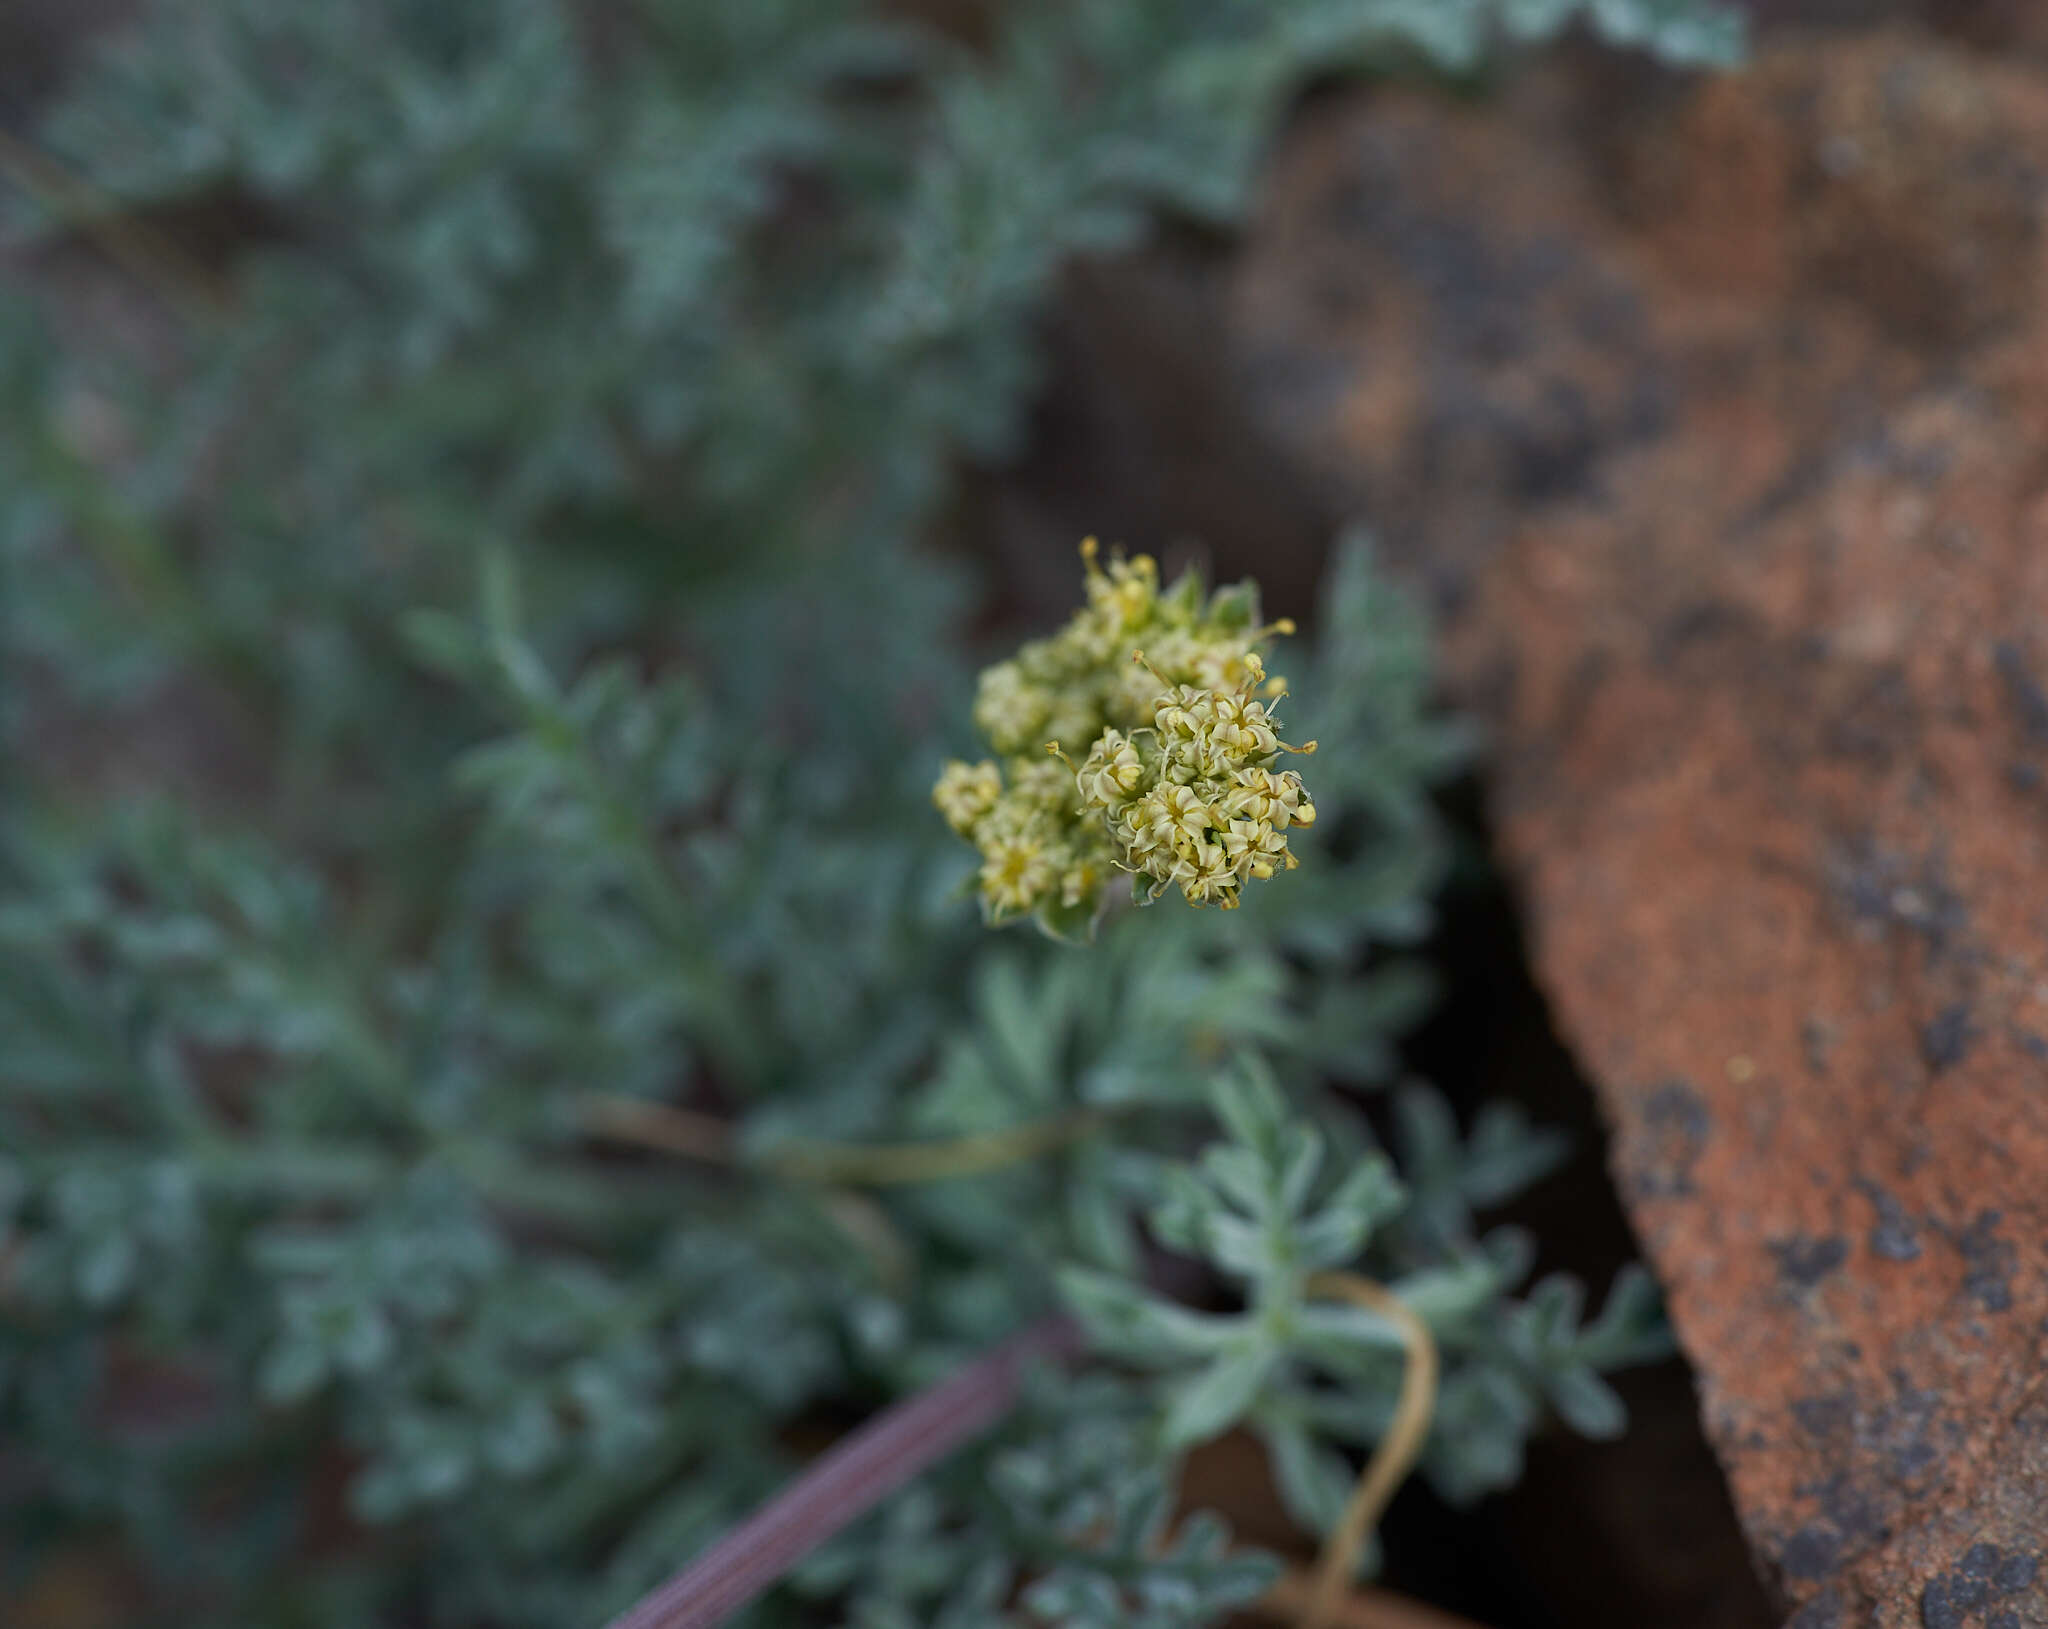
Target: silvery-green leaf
1214	1399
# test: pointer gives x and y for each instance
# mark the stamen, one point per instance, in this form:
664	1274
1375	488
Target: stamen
1138	656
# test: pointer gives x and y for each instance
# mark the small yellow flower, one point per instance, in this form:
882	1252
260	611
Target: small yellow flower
966	792
1240	727
1183	712
1227	667
1278	800
1016	873
1176	817
1256	849
1206	876
1138	834
1008	709
1110	776
1128	591
1045	785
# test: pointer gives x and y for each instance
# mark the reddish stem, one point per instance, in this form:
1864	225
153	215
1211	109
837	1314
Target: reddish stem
846	1482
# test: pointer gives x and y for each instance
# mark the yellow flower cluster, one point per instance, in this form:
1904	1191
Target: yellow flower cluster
1199	804
1179	787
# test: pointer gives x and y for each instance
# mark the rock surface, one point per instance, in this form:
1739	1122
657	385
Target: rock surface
1716	417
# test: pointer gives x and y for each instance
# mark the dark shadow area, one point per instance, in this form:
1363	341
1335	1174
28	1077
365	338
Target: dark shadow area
1140	436
1623	1534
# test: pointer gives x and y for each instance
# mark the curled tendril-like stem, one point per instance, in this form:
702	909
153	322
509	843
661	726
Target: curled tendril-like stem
1396	1454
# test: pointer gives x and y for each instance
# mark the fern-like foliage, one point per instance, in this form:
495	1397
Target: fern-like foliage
480	656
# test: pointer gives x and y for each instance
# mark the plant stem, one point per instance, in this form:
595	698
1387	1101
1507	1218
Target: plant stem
846	1482
891	1164
1397	1451
870	1165
705	1137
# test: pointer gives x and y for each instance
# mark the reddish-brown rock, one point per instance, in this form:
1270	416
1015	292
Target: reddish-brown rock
1717	417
